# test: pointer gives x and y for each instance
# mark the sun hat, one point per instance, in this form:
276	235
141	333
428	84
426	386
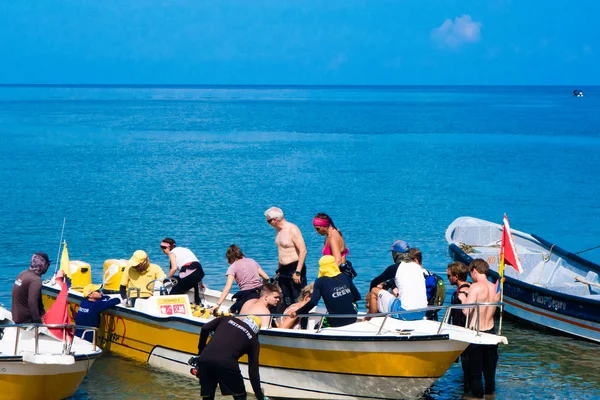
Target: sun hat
138	257
91	288
400	246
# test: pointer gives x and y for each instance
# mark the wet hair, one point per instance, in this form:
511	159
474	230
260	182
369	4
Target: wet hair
306	291
269	288
459	270
415	254
480	266
274	212
233	254
170	241
328	218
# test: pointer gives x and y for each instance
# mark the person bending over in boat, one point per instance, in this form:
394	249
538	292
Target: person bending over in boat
27	304
190	271
247	274
457	276
291	250
338	292
297	323
90	309
270	296
482	359
139	274
218	360
407	275
334	243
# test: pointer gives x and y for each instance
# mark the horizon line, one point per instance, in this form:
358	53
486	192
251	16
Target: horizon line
250	85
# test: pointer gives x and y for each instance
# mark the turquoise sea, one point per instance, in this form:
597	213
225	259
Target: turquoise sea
127	166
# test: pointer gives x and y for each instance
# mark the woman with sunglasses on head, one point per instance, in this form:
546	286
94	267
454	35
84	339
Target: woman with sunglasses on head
185	261
334	243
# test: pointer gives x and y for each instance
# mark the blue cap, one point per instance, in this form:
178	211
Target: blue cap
400	246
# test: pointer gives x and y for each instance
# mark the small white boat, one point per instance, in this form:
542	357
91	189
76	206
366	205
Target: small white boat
34	365
383	358
557	289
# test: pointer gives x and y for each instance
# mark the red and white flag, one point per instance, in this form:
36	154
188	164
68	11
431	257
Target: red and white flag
508	251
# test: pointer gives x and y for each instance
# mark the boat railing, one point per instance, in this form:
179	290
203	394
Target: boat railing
387	315
66	340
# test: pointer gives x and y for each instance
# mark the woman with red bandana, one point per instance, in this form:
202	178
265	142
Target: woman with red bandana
334	243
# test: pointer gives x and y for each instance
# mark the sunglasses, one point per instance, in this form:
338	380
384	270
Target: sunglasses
270	219
164	247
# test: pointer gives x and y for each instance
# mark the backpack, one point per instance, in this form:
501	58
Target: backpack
436	291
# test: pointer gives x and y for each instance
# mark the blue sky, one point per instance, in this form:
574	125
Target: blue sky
403	42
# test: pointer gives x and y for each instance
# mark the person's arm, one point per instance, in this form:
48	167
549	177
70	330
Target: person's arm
288	322
33	300
173	265
160	274
300	246
124	283
123	292
205	331
389	273
106	304
471	298
355	293
314	300
335	242
225	292
263	274
253	373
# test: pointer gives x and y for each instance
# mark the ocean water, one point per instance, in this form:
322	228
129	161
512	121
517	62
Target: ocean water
127	166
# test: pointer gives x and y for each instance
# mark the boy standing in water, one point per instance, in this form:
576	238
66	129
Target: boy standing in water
482	358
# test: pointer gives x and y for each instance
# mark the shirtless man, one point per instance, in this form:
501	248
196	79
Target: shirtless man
291	250
270	295
481	358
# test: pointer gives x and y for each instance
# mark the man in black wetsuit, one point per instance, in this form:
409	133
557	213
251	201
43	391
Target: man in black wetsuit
218	361
337	290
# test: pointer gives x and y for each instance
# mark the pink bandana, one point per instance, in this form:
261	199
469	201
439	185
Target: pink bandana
321	222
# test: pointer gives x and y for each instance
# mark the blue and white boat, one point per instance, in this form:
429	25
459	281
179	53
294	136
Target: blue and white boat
557	289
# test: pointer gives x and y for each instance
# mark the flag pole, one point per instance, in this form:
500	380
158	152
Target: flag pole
501	292
60	244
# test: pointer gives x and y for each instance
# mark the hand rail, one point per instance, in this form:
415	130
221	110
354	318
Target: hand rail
67	344
385	315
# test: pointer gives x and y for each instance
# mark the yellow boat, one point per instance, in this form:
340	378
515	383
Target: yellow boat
383	358
34	365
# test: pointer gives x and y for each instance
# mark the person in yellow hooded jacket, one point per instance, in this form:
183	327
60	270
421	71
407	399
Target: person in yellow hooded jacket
337	290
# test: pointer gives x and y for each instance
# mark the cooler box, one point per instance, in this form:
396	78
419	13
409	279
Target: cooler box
113	271
81	274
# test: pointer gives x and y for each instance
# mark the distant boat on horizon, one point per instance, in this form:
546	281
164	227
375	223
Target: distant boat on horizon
577	93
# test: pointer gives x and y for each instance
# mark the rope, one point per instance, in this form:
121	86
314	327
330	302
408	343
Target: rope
591	248
547	258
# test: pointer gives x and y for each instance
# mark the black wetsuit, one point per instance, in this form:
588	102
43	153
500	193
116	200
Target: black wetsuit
289	290
218	361
388	274
458	318
481	359
338	294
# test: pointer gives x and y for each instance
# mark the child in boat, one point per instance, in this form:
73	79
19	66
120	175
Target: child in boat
90	309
